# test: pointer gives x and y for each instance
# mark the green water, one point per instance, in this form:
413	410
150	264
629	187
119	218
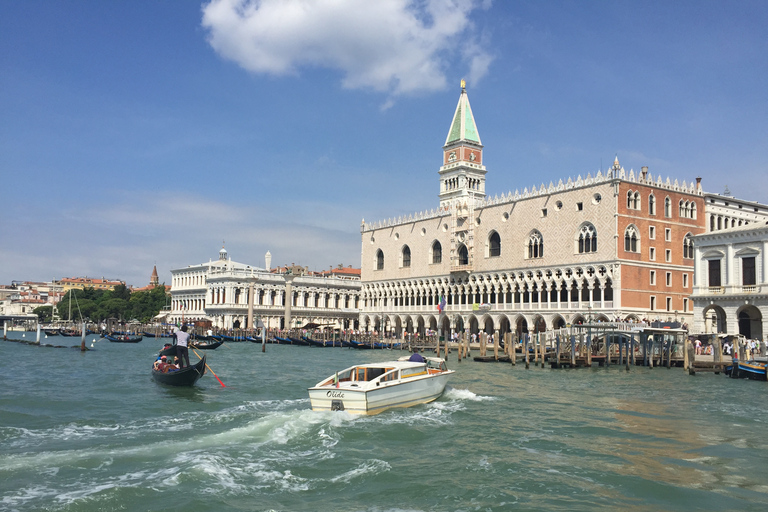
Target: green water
93	432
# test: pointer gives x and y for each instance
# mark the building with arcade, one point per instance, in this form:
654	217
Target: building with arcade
614	245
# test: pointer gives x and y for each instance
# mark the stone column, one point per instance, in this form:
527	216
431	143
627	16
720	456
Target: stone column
730	274
250	306
287	299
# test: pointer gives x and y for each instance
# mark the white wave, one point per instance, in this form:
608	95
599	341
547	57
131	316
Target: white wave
369	467
465	394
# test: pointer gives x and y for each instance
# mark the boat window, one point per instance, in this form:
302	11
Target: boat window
374	373
412	372
360	374
391	375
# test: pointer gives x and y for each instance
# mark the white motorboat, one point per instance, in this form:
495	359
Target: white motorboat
375	387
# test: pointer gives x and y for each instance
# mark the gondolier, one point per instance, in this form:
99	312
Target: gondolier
182	352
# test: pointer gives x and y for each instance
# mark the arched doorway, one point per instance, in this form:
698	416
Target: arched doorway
504	326
714	319
445	327
539	325
521	326
750	322
488	325
473	327
459	324
558	322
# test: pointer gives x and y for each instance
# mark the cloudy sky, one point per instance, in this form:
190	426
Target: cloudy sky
135	133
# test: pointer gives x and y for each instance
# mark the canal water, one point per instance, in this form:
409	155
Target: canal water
93	432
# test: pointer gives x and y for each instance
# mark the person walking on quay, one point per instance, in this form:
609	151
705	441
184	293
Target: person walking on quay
182	352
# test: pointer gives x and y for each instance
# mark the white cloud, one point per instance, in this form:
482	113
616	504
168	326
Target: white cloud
394	46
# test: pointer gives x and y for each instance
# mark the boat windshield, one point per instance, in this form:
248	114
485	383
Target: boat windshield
439	365
368	374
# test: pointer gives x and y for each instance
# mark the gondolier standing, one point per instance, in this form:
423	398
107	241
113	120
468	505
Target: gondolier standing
182	352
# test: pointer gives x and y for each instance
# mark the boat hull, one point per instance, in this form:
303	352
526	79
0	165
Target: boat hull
388	395
123	339
185	377
748	370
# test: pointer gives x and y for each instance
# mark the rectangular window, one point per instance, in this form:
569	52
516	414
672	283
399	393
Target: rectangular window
748	276
652	232
579	206
669	278
543	212
669	303
685	305
653	277
653	303
668	235
668	255
714	273
685	280
652	254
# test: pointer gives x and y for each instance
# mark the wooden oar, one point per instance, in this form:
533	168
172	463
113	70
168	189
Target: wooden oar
209	369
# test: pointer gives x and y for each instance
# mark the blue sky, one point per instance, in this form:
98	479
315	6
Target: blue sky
135	133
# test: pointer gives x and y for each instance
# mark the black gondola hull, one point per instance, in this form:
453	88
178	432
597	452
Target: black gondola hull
185	377
123	339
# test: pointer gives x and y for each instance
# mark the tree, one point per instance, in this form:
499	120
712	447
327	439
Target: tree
44	313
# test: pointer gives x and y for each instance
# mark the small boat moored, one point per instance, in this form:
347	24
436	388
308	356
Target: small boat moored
375	387
123	338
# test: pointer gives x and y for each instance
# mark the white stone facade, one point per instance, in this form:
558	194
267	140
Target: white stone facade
220	291
730	293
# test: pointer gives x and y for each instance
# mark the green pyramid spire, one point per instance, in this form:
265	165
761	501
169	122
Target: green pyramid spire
463	126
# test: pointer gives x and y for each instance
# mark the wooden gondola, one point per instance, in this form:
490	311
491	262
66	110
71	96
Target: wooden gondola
186	376
205	346
51	332
123	338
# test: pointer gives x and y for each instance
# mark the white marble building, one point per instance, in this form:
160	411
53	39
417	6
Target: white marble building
730	291
227	293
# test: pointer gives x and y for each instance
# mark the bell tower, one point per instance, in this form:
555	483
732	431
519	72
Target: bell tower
462	175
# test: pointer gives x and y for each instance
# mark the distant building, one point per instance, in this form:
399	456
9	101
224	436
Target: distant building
154	281
226	293
730	290
81	283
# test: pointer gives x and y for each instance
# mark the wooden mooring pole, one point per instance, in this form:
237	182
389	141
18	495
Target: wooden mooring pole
525	349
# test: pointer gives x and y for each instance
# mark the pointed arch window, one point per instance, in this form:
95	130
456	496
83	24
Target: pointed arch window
437	252
494	245
406	255
463	254
688	246
379	260
587	239
631	239
667	207
535	245
651	205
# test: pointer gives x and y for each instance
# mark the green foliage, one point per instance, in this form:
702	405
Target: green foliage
43	313
119	303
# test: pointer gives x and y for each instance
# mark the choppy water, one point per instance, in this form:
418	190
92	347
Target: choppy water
93	432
